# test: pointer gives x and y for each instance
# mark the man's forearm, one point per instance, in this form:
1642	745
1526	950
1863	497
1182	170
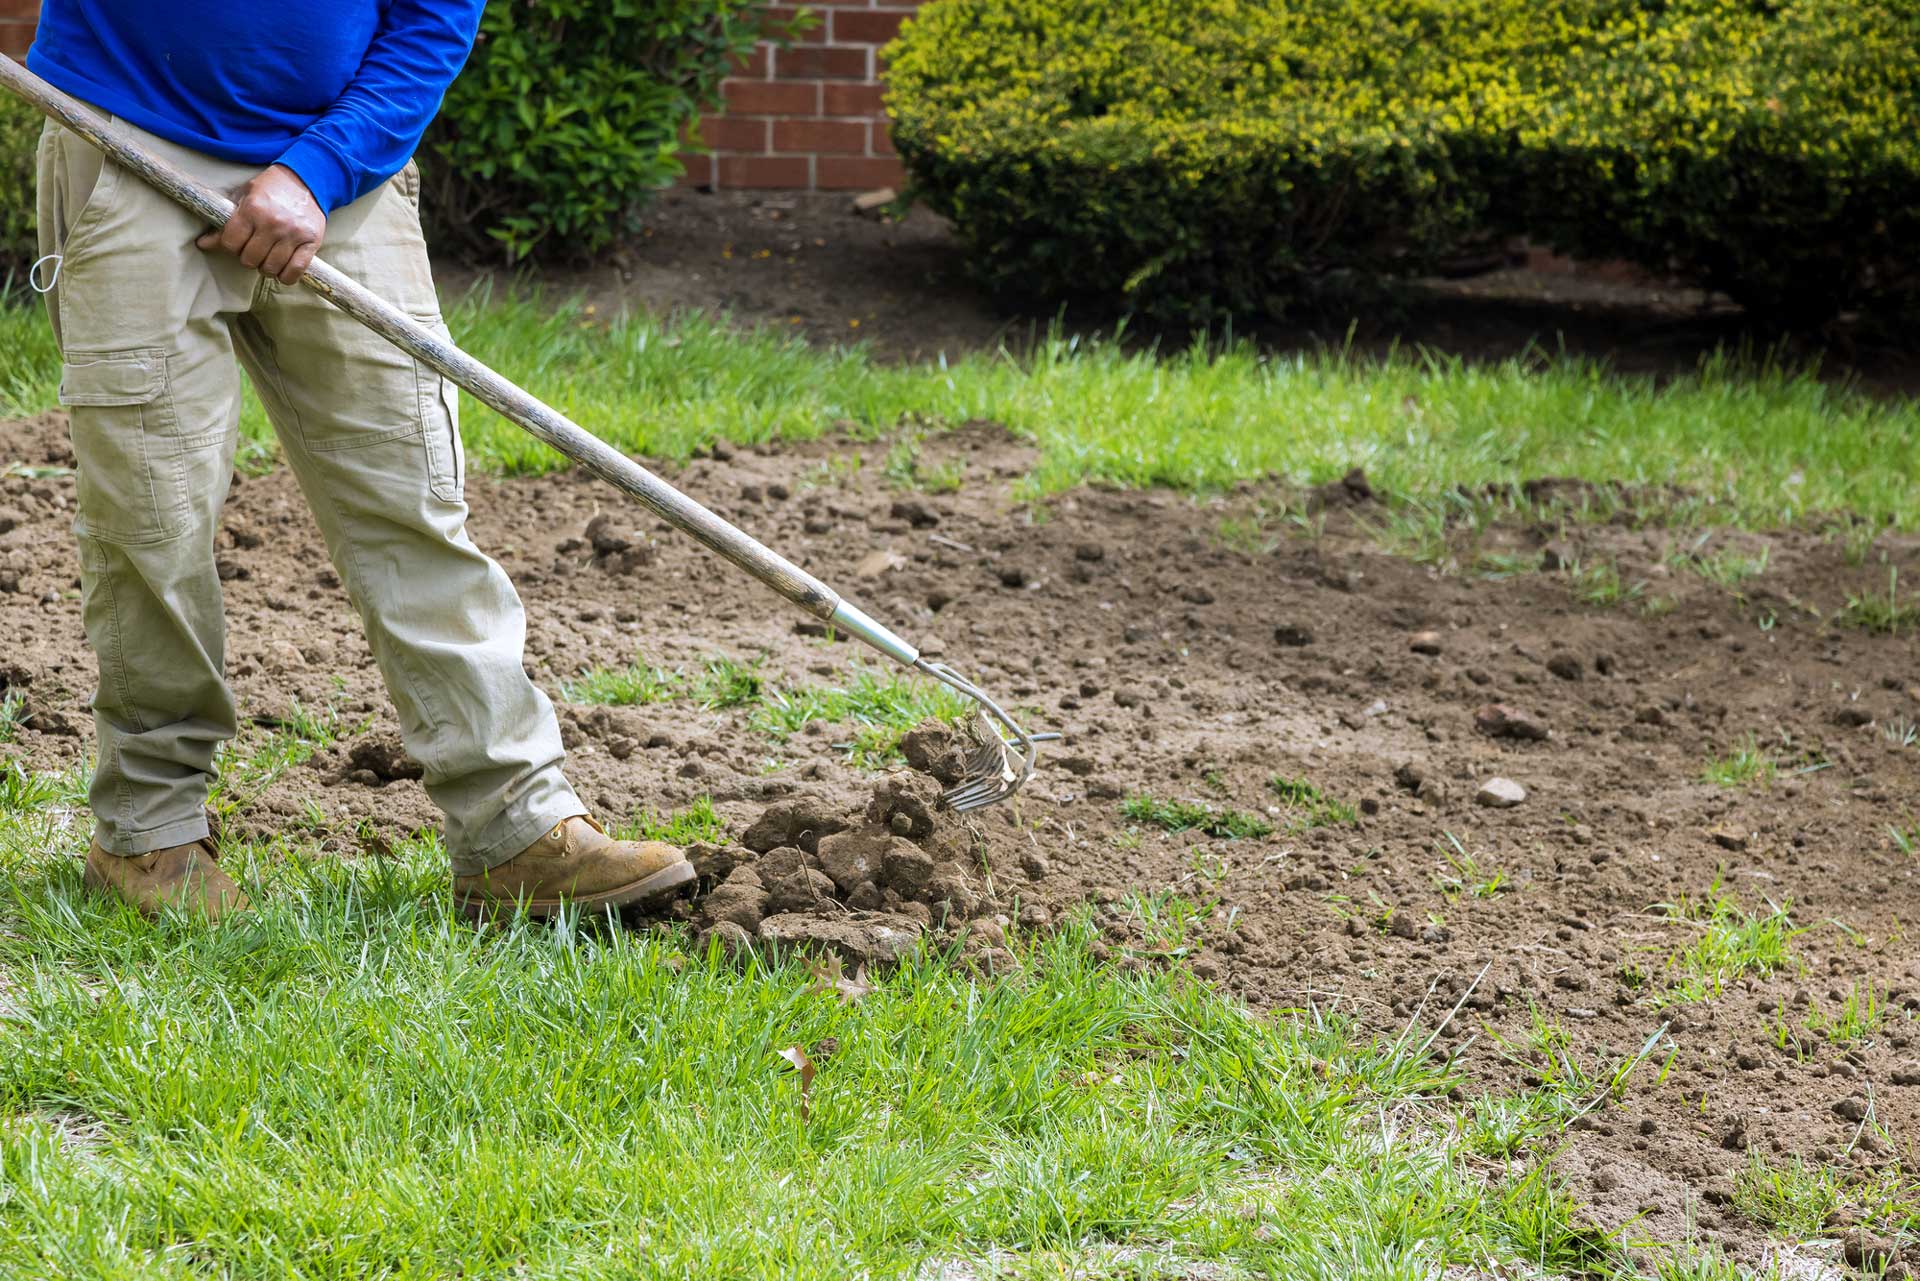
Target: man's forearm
373	128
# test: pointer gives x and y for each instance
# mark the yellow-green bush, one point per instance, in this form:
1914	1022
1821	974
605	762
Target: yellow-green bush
19	138
1204	157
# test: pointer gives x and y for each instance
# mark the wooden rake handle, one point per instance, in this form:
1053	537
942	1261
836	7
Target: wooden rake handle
527	411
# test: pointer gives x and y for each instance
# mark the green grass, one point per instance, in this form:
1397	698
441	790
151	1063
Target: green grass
1756	444
1798	1199
1193	816
634	685
879	709
1308	807
13	710
349	1082
1723	942
1891	613
1748	765
696	824
1465	874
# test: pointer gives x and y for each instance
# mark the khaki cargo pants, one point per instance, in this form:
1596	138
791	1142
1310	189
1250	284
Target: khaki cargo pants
149	328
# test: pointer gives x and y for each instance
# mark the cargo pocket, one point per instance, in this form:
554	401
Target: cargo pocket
440	417
132	480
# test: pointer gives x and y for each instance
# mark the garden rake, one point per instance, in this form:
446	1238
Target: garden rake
996	764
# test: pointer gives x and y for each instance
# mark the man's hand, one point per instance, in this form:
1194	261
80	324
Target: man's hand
276	227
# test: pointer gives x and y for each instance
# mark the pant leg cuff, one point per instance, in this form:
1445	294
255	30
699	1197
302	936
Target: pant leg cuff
131	844
518	826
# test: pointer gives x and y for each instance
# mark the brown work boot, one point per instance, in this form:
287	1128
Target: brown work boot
184	877
575	862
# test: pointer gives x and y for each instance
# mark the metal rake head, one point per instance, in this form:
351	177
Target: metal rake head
995	768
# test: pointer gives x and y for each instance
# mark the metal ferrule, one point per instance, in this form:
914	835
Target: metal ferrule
856	622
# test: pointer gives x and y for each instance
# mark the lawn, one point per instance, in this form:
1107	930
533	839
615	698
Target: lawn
350	1082
1759	444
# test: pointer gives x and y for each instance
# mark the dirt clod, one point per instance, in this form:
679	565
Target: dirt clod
932	748
385	757
1499	720
878	941
801	822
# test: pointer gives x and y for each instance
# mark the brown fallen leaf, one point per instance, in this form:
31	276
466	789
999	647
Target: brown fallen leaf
829	976
804	1066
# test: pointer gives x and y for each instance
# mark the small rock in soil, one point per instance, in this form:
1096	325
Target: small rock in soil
1851	1108
1499	720
1089	552
1293	635
383	756
1034	864
1013	576
1410	774
1424	642
1729	838
1500	793
1566	667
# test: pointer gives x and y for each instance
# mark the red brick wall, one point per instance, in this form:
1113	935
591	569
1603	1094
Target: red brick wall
808	117
805	118
16	25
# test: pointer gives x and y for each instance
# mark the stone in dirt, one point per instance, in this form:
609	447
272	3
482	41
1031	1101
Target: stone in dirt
1424	643
383	756
1500	794
1499	720
1729	838
801	821
877	941
1566	667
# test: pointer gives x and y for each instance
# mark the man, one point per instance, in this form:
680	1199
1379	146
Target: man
309	117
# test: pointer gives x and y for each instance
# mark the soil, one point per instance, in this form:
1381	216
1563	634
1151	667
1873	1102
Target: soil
1187	668
808	264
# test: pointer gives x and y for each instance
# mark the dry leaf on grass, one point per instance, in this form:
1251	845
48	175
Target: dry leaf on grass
804	1066
830	976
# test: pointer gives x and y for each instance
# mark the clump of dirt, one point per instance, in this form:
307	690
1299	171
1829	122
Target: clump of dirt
864	884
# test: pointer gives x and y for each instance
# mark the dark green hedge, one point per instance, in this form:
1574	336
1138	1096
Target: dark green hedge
1199	158
570	114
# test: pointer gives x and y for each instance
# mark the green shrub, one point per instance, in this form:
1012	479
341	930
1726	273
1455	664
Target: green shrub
570	114
1193	158
19	139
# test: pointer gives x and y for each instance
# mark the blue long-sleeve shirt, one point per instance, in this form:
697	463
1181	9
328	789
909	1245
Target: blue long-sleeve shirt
337	92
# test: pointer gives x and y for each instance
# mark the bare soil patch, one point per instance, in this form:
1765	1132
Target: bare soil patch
808	264
1190	668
